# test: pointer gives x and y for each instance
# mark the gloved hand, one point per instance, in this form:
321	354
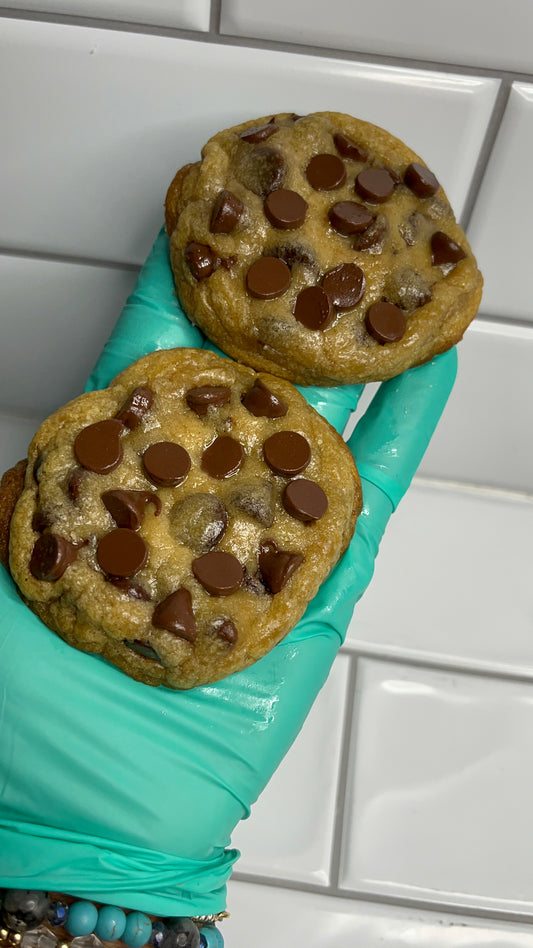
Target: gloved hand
127	794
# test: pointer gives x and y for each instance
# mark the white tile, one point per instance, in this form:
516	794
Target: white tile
453	33
453	581
289	833
54	322
97	122
264	917
441	785
184	14
500	227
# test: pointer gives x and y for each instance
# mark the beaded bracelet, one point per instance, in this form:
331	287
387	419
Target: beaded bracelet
29	917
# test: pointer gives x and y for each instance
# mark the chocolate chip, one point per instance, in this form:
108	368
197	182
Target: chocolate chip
407	289
268	278
226	630
204	396
420	180
130	588
74	482
51	556
199	521
313	308
261	170
345	285
348	148
287	453
256	500
285	209
98	448
375	185
40	521
127	507
201	260
142	648
277	566
373	238
325	172
175	614
122	552
305	500
220	573
445	251
385	322
227	212
349	217
136	407
259	134
262	403
223	457
166	463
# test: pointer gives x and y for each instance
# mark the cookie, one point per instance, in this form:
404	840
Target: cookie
319	248
179	521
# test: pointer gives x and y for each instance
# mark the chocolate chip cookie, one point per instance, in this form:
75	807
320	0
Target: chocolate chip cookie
319	248
179	521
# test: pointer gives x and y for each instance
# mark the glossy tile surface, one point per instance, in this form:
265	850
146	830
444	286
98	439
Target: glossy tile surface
289	833
500	228
106	127
453	33
184	14
440	778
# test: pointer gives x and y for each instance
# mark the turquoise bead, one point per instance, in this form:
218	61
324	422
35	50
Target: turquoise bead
137	931
211	937
82	917
111	923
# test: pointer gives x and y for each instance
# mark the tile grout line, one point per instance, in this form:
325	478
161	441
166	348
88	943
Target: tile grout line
343	773
214	19
485	151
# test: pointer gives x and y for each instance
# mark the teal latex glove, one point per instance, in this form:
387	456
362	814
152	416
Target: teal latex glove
128	794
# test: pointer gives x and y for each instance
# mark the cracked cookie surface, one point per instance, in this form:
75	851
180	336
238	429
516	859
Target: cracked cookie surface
179	521
319	248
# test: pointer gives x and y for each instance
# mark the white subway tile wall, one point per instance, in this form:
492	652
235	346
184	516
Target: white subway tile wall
402	814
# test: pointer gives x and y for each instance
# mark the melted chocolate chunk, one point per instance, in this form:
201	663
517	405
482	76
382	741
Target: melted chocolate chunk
268	278
375	185
74	482
325	172
204	396
345	285
412	228
223	457
295	255
219	573
444	251
420	180
287	453
262	403
259	134
285	209
407	289
348	148
385	322
225	630
256	499
277	566
40	521
98	447
130	588
261	169
349	217
201	260
51	556
136	407
199	521
226	214
175	614
373	238
166	463
305	500
122	553
127	507
313	308
142	648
